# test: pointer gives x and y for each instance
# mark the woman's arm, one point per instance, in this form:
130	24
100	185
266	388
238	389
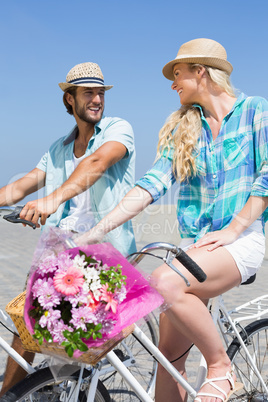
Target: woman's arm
253	208
135	201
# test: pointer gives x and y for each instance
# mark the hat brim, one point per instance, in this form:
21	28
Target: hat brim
208	61
65	85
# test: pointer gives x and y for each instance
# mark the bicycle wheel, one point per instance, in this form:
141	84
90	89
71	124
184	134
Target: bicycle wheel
139	362
41	386
255	336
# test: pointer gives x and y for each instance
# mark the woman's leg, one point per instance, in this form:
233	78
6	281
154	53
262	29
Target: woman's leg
189	315
167	388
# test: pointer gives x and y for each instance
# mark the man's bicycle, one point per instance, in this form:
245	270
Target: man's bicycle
244	330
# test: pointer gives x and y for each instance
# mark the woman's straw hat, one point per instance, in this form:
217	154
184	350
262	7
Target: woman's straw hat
84	75
202	51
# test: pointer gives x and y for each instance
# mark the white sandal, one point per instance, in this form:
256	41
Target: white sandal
235	386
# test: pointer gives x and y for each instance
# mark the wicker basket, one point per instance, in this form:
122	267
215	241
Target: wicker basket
92	356
15	309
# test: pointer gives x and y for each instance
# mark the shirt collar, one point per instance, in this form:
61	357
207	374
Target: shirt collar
74	132
238	101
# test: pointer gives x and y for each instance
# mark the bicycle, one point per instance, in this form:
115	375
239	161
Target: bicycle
129	351
247	349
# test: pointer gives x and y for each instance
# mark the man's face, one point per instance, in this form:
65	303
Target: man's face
88	104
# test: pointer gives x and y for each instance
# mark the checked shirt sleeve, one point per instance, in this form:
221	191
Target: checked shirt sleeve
158	179
260	134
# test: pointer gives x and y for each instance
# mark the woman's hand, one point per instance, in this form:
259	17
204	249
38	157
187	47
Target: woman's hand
93	236
216	239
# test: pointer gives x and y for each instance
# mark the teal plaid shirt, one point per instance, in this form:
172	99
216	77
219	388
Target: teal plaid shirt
229	169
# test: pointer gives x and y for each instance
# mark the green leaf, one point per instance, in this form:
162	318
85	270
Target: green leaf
65	343
82	347
70	351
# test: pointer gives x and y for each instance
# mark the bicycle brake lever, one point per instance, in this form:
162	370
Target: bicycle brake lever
177	271
14	217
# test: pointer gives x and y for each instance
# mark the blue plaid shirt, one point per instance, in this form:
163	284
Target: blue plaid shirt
229	169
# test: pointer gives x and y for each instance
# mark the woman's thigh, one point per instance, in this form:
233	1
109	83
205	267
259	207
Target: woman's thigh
219	266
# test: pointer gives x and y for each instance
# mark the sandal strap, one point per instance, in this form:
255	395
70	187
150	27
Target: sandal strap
228	377
210	381
212	395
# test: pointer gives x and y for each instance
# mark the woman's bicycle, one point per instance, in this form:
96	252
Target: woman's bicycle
244	330
129	351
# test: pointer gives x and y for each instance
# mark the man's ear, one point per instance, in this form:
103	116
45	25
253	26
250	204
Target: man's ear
69	98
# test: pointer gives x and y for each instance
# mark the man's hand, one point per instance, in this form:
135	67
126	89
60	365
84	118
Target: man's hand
41	208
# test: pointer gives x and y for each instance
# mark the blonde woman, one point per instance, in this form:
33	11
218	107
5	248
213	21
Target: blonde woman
215	146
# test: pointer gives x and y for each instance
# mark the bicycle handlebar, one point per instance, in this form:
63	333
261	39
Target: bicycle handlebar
191	265
14	216
179	254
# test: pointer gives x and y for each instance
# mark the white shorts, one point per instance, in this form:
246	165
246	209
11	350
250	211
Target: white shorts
247	251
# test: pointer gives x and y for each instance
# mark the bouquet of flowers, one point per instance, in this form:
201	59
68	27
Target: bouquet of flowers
81	297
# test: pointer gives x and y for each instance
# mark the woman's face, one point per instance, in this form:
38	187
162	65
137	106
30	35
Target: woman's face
186	83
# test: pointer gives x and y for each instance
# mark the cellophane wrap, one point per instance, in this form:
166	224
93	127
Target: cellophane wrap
140	297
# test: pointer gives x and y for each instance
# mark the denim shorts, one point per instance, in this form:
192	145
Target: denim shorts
247	251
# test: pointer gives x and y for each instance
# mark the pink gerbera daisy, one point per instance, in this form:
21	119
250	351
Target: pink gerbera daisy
68	282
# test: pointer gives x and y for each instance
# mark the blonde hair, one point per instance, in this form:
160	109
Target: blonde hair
182	129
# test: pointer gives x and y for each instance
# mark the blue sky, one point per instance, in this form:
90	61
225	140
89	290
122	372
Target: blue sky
131	40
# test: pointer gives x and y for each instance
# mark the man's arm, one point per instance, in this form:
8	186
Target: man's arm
19	189
84	176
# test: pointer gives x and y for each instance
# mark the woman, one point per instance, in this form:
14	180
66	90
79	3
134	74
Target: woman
215	146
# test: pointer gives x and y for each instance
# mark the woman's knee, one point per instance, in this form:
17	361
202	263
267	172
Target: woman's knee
168	283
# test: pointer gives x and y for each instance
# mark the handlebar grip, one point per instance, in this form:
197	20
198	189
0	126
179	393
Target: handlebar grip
191	265
14	217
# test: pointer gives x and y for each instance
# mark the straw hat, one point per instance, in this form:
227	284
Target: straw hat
84	75
203	51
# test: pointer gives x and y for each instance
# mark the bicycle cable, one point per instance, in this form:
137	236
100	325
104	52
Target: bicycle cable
146	253
14	333
150	353
178	358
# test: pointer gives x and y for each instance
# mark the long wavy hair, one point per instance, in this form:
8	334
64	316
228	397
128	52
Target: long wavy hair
182	129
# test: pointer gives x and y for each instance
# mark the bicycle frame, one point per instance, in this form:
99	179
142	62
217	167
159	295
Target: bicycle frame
8	349
252	310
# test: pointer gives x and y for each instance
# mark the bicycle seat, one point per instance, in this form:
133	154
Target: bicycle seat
251	279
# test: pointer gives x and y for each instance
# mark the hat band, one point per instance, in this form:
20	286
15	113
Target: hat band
87	80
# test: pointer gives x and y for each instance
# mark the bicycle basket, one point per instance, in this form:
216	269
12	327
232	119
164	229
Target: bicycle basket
15	309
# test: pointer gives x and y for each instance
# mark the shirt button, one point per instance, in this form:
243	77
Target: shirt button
214	176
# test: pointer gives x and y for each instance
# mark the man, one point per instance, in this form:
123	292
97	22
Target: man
85	174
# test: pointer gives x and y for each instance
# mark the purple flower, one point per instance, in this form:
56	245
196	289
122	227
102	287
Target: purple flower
44	291
107	326
79	298
57	331
82	316
64	261
49	319
48	264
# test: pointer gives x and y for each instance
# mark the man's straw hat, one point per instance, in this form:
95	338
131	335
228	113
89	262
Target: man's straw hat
202	51
84	75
